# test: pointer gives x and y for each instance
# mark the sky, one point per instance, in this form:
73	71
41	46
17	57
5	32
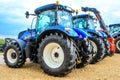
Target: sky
12	12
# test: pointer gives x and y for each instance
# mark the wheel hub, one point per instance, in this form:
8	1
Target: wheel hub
53	55
13	55
56	55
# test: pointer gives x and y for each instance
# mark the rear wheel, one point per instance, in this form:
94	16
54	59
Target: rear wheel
13	56
87	52
57	55
98	48
107	48
117	43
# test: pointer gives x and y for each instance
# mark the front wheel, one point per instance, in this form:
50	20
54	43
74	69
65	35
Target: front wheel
57	55
13	56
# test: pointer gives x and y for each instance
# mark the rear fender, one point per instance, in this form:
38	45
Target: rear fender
82	34
95	33
68	31
104	35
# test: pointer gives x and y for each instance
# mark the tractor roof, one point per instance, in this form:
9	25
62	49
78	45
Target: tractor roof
111	25
53	6
82	16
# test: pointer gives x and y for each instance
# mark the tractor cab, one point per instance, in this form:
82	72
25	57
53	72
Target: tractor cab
114	29
87	23
50	17
115	32
53	15
84	21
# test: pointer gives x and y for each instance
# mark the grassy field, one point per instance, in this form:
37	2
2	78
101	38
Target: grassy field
2	41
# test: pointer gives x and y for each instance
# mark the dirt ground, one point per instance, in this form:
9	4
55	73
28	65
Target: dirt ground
107	69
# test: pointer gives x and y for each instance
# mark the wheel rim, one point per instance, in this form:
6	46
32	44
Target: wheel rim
11	55
53	55
94	47
118	45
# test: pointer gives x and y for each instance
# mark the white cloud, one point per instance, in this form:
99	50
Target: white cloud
117	13
14	9
4	1
4	36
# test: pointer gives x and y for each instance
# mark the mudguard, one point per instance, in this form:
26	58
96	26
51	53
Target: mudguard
68	31
82	34
95	32
104	35
20	42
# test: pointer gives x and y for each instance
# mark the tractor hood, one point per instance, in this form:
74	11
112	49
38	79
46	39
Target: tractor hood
27	35
101	34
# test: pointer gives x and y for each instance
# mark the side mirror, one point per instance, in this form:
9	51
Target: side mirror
27	14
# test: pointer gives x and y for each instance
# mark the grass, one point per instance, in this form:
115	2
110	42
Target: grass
1	52
2	42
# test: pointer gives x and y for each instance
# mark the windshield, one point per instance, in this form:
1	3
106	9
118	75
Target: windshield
84	23
91	24
64	18
80	23
114	29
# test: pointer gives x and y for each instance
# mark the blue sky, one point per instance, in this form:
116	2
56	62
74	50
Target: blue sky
12	12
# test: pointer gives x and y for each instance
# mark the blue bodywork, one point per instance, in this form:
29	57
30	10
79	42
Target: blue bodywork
103	35
82	34
75	33
88	30
70	32
27	35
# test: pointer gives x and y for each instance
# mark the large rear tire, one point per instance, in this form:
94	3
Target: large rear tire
57	55
87	53
107	48
13	56
117	43
99	49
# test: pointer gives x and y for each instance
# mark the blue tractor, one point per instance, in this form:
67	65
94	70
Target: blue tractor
104	29
86	22
115	31
53	43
